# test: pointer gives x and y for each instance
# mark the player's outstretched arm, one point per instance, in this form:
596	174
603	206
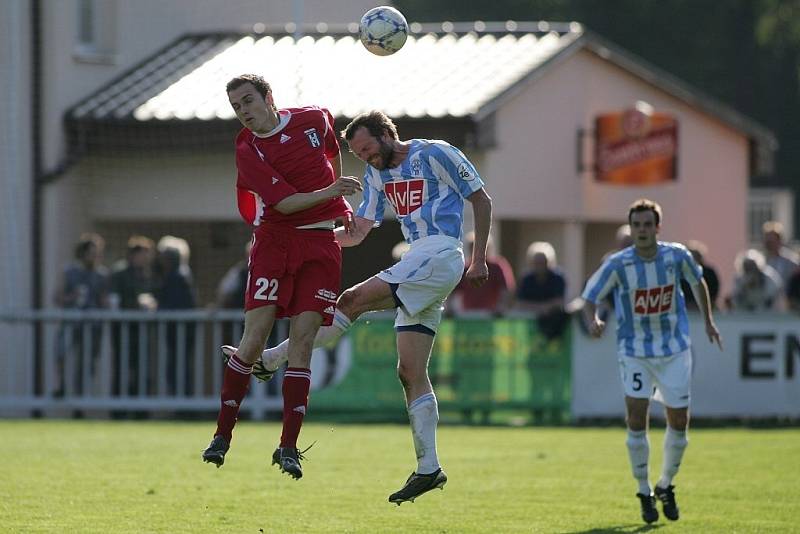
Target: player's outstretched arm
343	186
595	325
358	229
478	272
701	296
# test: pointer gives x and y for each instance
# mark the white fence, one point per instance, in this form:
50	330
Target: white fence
56	360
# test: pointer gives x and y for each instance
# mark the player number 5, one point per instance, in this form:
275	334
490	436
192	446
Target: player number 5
264	285
637	381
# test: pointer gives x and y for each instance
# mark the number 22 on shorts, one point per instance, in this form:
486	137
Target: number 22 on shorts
267	289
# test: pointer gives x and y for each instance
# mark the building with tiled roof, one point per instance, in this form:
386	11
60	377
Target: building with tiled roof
149	150
521	99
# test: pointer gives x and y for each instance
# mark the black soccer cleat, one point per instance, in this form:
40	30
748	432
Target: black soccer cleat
215	453
649	510
288	461
417	484
668	504
260	371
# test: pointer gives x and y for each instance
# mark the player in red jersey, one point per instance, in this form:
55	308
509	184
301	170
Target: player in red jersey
290	188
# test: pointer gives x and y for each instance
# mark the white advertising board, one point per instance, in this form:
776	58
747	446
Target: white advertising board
757	374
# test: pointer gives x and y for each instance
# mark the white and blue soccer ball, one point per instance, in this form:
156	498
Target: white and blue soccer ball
383	30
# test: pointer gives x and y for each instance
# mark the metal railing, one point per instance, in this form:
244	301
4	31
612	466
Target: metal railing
122	361
169	364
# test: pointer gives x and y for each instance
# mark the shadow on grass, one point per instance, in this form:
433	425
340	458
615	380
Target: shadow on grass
618	529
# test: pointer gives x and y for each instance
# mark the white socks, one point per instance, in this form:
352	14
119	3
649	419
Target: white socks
675	442
423	413
639	454
327	335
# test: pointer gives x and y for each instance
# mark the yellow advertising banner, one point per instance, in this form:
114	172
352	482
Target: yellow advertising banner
636	147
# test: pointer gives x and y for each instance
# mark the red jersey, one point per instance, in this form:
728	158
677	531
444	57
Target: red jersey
293	158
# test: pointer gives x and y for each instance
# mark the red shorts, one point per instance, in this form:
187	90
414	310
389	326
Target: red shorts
295	270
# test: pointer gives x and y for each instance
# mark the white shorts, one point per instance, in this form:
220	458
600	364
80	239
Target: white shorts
666	379
425	276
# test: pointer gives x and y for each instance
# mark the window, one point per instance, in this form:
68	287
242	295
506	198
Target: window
96	31
769	204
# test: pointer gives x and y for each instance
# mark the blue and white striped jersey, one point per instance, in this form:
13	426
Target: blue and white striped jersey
426	191
648	301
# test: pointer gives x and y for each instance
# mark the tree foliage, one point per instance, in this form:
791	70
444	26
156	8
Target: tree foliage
745	53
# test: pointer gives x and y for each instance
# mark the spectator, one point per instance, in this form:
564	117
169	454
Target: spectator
231	289
132	278
757	286
175	291
793	291
699	252
131	289
781	258
83	286
623	237
542	290
622	240
495	295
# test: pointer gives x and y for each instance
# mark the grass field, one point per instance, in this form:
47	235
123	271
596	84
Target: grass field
70	476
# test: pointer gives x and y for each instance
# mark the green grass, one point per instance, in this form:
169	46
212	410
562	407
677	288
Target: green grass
67	476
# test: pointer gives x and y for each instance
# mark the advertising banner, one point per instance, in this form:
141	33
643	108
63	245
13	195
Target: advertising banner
757	374
636	147
477	365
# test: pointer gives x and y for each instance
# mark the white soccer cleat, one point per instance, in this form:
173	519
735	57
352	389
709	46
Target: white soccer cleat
260	370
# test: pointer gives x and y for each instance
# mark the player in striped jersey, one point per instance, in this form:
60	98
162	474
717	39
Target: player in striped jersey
653	342
425	182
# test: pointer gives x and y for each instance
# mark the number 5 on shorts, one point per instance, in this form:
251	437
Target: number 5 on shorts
264	285
636	378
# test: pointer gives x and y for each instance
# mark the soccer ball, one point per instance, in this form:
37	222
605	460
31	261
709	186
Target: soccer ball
383	30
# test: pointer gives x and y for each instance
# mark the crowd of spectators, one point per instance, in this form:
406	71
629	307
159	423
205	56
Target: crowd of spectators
150	277
767	279
156	276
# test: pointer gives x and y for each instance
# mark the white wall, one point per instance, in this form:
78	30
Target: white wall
134	188
707	202
15	156
143	27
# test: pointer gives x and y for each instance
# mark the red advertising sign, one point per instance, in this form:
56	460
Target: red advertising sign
636	146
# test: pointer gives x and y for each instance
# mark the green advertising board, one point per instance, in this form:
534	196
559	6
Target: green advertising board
477	366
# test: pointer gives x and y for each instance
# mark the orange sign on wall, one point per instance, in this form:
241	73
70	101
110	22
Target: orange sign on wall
636	146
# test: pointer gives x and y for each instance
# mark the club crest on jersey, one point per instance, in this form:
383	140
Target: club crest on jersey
416	167
405	196
313	137
653	300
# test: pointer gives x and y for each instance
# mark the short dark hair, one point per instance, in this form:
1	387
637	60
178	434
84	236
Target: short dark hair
137	243
376	123
87	241
644	204
257	81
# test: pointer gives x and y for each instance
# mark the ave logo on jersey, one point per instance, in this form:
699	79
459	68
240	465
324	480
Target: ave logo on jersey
405	196
653	300
313	137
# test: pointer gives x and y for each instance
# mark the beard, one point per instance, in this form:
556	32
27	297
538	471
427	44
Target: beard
384	156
